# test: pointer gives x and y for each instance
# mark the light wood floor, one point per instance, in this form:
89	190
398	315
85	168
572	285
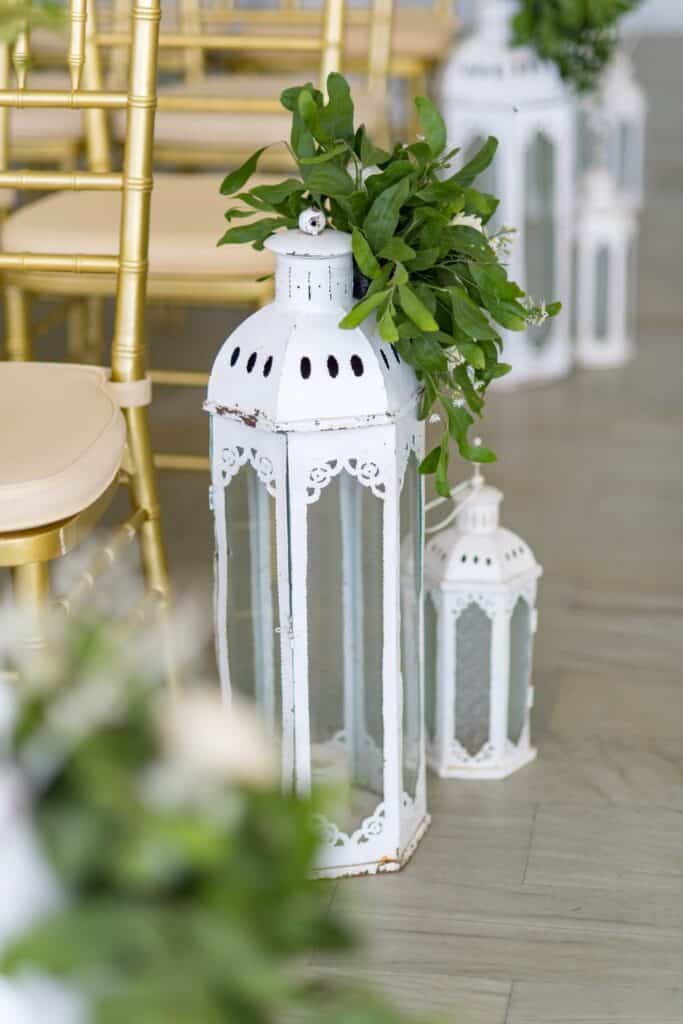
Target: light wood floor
555	897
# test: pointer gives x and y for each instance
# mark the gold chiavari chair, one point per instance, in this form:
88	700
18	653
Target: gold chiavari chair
73	434
186	268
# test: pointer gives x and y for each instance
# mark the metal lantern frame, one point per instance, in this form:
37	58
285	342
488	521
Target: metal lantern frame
305	403
490	87
606	240
624	108
478	565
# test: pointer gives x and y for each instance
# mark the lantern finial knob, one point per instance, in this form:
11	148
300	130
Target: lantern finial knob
312	221
477	477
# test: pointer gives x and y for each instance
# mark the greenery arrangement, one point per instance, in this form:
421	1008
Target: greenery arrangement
18	15
436	279
578	35
184	866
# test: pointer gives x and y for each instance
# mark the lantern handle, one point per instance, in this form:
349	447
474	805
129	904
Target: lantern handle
473	486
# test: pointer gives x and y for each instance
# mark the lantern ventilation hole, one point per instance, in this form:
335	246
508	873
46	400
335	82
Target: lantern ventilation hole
251	362
396	355
305	367
332	366
268	366
357	366
384	358
235	355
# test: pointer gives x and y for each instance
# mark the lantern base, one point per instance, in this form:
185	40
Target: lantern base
484	771
382	866
605	356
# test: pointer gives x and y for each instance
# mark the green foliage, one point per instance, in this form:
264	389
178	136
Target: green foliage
438	287
578	35
187	903
19	15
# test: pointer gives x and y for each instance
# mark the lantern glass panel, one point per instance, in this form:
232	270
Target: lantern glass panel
431	656
631	289
252	605
411	544
627	155
540	235
473	631
602	287
345	644
520	667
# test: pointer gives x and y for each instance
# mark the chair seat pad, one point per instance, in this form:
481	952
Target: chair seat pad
63	438
240	132
46	124
187	221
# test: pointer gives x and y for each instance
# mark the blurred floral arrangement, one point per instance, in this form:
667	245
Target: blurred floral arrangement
578	35
428	269
167	879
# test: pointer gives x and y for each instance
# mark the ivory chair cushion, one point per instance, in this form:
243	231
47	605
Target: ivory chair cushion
187	221
242	132
62	442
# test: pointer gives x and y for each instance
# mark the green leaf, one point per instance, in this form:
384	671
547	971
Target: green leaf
431	461
441	479
370	154
275	194
382	217
467	240
472	353
416	309
235	181
335	120
257	232
477	165
481	204
387	326
363	254
397	250
459	423
423	260
324	157
363	309
329	180
377	183
468	316
424	353
553	308
431	125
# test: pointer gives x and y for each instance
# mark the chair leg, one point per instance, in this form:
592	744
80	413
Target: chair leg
31	585
94	330
76	326
17	328
153	551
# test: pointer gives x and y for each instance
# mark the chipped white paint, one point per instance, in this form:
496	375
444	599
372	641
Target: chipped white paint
304	404
477	564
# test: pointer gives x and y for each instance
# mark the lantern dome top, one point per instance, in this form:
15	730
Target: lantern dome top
619	89
488	69
290	366
477	549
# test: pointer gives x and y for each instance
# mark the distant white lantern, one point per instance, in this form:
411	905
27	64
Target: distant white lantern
624	108
490	87
316	444
606	285
480	620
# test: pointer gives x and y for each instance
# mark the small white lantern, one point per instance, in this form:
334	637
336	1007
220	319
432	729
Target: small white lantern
480	619
623	107
316	445
606	285
491	87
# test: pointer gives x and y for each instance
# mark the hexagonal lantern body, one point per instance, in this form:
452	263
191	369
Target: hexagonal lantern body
490	87
606	284
480	618
315	451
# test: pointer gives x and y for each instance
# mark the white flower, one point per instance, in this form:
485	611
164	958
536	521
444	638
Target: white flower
312	221
368	171
468	220
501	241
215	742
537	314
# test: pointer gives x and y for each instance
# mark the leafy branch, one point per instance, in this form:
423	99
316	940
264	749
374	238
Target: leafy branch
434	277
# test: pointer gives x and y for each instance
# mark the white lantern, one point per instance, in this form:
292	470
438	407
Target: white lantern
480	619
490	87
623	107
316	445
606	285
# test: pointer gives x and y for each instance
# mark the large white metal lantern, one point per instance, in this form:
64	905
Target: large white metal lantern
480	620
606	279
315	452
624	108
490	87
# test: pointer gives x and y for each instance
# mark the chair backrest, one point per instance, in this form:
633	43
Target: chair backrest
134	181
